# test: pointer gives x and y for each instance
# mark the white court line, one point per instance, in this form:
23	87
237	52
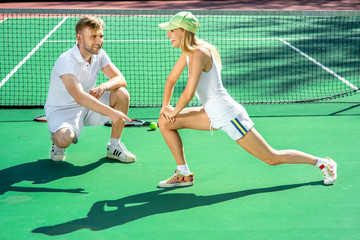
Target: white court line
322	66
3	20
31	53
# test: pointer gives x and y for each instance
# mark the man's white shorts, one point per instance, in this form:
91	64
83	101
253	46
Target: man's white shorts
77	117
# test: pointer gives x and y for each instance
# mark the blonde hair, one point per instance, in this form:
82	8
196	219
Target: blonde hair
93	23
190	42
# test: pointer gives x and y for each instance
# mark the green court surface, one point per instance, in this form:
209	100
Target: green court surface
235	196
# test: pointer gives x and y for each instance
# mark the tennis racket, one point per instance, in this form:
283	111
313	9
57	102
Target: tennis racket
133	123
40	118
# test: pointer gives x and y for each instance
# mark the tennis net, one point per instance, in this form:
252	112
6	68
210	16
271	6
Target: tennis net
267	56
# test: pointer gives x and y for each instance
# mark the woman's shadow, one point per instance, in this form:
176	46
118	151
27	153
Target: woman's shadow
43	171
111	213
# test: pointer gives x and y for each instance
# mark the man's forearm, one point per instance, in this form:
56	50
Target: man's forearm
114	83
90	102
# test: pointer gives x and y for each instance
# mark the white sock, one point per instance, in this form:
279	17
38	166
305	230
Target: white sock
321	161
114	140
183	169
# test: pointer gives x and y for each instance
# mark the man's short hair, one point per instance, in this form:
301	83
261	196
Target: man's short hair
94	23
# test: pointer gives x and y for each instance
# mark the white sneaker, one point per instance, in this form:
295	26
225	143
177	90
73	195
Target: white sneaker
119	152
329	170
57	154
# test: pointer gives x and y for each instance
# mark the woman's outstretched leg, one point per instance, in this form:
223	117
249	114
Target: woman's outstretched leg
255	144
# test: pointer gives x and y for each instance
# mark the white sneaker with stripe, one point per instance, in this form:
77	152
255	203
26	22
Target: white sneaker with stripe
57	154
119	152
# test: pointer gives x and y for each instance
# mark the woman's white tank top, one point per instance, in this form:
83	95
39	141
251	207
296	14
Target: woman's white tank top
218	104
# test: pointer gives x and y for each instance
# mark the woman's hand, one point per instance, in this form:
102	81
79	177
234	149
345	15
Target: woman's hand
167	113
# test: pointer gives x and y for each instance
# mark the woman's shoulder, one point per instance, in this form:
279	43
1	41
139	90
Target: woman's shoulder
201	52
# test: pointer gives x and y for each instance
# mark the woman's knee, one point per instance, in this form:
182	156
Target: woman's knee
165	124
272	161
272	158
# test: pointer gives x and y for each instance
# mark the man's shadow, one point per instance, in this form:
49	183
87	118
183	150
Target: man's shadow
111	213
43	171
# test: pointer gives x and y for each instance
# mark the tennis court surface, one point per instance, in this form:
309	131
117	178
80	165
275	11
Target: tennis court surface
286	58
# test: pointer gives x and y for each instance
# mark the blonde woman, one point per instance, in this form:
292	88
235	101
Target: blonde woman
218	110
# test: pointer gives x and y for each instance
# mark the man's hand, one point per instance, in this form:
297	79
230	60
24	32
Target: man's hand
118	116
98	91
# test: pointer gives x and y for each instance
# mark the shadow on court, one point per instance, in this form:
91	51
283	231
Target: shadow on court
43	171
111	213
340	112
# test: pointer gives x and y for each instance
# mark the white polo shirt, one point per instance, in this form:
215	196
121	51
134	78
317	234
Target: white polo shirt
72	62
